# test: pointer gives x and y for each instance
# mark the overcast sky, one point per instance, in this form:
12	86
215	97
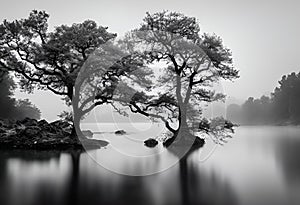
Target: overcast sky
264	36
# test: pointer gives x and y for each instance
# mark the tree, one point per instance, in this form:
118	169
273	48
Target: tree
24	108
101	79
286	98
48	60
282	107
12	108
6	99
189	64
233	113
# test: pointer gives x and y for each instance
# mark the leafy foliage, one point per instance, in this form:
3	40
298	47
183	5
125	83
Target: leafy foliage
48	60
185	65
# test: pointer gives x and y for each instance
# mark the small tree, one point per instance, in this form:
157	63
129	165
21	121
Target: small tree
188	65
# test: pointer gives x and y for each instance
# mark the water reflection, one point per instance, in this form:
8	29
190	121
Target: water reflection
75	179
288	154
259	166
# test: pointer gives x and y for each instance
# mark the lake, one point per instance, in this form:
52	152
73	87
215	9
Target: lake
259	165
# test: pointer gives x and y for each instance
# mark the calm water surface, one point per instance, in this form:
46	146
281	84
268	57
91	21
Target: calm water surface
260	165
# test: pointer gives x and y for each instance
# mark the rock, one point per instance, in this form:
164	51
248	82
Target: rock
199	142
120	132
42	123
5	123
11	132
1	124
31	132
87	133
49	128
184	139
28	122
150	142
2	130
65	126
93	144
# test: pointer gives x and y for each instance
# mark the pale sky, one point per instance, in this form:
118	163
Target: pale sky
264	35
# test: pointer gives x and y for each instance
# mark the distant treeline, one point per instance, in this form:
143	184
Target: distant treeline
280	108
11	108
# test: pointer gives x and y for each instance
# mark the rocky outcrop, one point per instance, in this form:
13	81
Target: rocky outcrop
33	134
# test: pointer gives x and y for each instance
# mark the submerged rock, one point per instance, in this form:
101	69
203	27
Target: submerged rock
87	133
120	132
150	142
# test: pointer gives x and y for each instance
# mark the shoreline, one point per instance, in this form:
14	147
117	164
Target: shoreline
31	134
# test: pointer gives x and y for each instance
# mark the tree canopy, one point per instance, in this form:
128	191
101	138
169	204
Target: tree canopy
185	65
46	59
165	69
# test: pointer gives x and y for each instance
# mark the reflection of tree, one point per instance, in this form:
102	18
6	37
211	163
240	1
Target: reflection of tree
288	153
3	187
100	186
73	188
198	188
42	191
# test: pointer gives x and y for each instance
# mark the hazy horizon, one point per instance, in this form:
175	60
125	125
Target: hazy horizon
262	35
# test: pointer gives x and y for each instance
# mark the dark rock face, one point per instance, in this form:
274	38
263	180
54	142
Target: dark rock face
120	132
33	134
150	142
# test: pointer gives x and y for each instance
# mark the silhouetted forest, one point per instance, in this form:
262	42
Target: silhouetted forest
12	108
280	108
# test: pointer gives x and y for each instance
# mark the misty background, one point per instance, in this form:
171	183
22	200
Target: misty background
263	37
